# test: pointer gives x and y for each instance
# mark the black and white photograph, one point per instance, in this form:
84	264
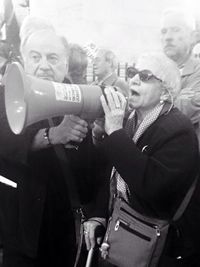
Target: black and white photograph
99	133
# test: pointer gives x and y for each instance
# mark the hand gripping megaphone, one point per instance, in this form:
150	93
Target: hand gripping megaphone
29	99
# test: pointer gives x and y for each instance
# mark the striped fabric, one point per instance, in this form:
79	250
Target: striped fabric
135	133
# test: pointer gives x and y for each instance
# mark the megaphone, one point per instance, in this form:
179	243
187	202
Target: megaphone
29	99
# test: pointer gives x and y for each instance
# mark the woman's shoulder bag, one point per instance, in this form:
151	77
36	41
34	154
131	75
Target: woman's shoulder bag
133	239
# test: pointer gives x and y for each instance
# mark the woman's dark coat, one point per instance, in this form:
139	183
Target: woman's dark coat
160	168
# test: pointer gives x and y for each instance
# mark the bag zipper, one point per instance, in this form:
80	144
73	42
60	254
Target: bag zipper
125	226
147	223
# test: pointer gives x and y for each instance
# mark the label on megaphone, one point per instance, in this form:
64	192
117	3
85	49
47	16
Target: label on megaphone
67	92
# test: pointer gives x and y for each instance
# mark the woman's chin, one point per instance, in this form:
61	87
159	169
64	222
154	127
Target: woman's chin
132	106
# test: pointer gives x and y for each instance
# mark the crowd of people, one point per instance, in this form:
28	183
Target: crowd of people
145	149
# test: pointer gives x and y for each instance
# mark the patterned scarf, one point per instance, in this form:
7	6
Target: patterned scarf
135	133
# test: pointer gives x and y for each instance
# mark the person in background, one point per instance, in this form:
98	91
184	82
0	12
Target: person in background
105	65
36	216
153	151
77	64
178	38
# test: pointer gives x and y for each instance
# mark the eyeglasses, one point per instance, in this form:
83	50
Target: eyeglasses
144	75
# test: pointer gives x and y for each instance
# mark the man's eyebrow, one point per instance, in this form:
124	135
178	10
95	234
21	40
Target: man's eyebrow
52	54
33	51
48	54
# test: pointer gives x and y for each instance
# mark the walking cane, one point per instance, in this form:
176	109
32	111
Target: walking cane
89	257
99	232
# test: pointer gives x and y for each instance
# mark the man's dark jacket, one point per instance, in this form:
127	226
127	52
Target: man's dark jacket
39	208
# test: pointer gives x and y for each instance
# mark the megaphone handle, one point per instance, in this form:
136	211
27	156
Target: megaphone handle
103	86
72	144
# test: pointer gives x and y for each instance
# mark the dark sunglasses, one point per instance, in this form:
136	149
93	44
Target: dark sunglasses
144	75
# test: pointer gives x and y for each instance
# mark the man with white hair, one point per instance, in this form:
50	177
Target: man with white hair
178	38
36	217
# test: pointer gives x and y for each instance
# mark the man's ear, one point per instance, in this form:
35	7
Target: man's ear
67	67
194	38
22	59
22	62
67	70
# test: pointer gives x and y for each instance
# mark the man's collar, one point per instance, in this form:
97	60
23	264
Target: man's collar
109	79
189	66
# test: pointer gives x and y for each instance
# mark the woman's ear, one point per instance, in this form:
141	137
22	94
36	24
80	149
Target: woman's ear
164	96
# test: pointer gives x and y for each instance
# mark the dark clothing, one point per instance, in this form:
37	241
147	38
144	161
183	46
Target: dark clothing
165	139
36	217
160	168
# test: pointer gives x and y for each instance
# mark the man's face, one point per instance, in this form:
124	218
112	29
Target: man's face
101	66
45	56
176	37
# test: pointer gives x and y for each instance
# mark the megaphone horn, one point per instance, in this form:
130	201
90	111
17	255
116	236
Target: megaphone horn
29	99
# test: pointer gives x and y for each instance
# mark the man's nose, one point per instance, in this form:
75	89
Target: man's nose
44	64
168	36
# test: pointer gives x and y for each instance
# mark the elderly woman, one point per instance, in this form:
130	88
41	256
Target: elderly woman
154	153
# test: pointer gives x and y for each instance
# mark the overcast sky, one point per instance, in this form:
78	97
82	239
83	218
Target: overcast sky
128	27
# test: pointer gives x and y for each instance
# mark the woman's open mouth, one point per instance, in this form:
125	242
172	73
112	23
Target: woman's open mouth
134	93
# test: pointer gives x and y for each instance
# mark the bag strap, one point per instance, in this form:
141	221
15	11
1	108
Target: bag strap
185	201
72	191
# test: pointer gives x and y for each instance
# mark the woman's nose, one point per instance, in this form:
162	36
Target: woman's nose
135	80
